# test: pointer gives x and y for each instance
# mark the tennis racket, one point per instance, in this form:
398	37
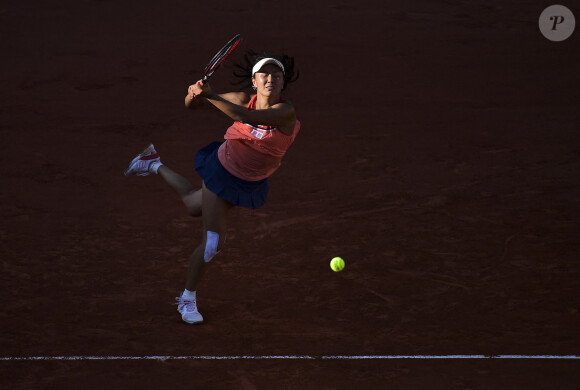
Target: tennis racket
220	57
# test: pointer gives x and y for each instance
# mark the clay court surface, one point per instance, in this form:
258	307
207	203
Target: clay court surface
439	156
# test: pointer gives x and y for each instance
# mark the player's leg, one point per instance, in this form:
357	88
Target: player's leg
191	198
214	211
148	161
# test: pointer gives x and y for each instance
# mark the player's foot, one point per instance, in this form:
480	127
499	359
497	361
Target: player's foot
142	164
188	309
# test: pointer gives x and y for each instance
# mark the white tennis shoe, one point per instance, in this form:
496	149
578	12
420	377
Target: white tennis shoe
141	165
187	307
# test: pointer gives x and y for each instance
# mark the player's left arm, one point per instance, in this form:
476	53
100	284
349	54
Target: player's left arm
194	101
281	115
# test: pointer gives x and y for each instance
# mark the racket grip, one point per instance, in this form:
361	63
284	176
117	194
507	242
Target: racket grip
204	80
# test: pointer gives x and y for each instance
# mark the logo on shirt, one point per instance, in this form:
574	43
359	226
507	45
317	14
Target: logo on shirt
258	134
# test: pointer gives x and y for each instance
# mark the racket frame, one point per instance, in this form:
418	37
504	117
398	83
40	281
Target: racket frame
220	57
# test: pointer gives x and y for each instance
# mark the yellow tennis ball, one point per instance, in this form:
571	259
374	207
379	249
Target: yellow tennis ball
337	264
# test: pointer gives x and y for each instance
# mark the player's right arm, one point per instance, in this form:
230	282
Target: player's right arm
194	101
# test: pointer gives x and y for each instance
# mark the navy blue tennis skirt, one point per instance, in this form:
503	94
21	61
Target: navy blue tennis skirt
250	194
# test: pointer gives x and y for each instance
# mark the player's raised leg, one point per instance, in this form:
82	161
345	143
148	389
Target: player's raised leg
190	196
149	161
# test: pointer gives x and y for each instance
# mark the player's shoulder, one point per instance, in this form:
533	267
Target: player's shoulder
286	105
240	98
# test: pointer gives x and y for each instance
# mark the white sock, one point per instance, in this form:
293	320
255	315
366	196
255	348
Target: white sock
188	294
155	166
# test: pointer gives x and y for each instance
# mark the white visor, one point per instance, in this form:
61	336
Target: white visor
265	61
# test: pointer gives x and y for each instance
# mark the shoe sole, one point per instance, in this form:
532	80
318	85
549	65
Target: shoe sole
190	322
143	153
193	322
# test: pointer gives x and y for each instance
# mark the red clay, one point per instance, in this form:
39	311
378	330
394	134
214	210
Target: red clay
439	156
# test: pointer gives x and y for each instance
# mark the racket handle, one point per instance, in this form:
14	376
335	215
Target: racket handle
204	80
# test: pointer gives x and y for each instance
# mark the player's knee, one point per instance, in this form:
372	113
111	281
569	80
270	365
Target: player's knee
192	202
194	210
212	246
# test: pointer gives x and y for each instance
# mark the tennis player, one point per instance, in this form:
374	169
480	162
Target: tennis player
234	172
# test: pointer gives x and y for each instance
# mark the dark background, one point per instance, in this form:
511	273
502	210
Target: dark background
439	156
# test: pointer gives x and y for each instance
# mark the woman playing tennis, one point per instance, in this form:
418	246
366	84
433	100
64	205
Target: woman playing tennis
234	172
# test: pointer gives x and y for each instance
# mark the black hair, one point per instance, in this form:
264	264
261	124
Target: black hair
244	71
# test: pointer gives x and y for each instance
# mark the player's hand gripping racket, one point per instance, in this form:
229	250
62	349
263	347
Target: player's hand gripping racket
220	57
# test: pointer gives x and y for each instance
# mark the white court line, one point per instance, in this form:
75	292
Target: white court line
292	357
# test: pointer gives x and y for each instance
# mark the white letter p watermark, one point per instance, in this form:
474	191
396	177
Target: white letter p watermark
557	23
